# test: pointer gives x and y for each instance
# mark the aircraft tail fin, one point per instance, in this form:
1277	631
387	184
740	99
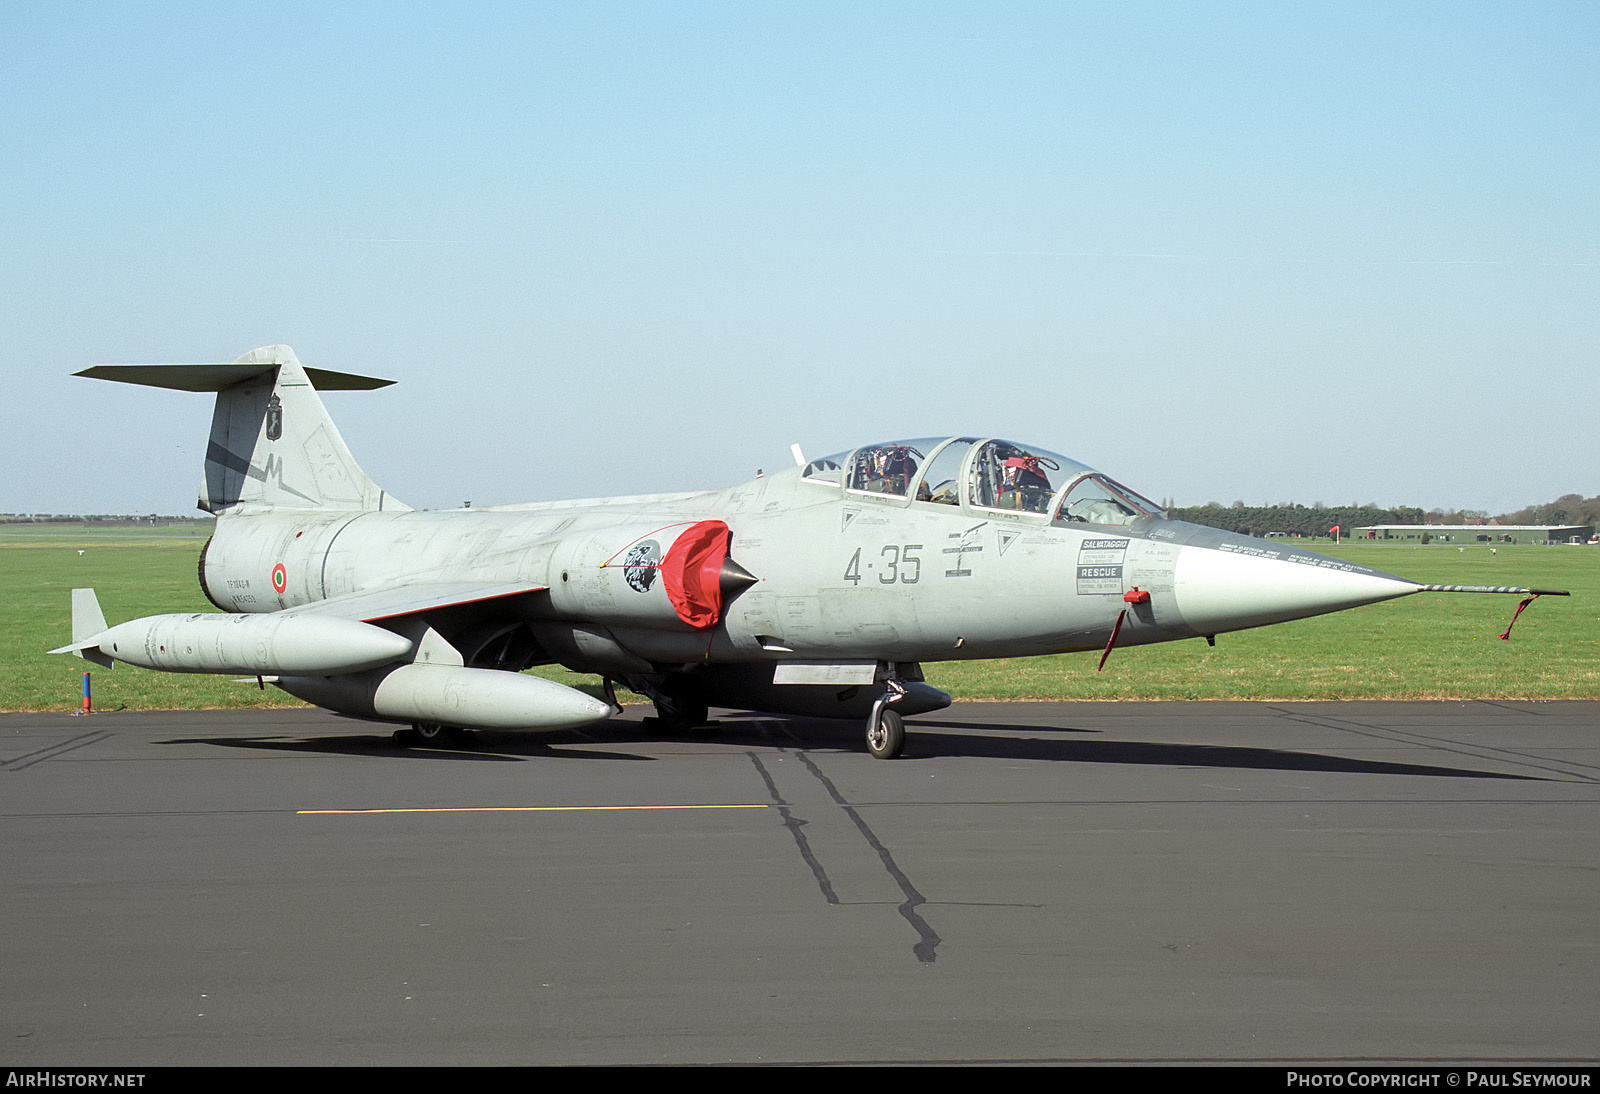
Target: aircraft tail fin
273	445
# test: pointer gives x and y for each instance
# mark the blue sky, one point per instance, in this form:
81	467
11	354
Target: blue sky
1315	252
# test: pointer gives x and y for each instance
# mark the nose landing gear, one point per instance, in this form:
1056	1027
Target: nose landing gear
886	728
886	733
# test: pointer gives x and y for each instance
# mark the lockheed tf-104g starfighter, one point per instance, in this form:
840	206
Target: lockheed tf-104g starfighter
819	591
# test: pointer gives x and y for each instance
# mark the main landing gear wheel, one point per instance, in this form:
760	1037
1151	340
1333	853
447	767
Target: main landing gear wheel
684	718
434	735
886	734
679	717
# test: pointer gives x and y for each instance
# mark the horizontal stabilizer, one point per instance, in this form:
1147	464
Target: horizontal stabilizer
272	443
221	377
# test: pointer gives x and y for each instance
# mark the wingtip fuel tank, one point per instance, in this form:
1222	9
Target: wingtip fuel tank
251	644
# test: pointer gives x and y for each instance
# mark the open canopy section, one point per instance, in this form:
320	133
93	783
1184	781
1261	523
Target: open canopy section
1023	478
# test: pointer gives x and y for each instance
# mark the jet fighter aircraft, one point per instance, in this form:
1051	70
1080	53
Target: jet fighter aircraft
820	590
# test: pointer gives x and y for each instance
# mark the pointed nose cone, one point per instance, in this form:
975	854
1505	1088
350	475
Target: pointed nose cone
734	579
1234	582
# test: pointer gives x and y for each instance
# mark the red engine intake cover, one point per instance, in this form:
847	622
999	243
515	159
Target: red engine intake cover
692	571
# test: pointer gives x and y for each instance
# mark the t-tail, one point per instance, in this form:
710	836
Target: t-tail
272	445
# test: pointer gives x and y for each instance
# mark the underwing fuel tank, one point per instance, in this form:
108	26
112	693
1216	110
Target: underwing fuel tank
452	696
254	644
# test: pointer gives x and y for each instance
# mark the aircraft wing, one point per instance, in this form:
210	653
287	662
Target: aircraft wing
396	601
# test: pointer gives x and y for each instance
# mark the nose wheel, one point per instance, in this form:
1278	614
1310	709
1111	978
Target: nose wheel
886	732
886	728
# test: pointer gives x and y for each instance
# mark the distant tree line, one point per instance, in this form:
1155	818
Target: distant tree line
1306	521
1309	521
1567	509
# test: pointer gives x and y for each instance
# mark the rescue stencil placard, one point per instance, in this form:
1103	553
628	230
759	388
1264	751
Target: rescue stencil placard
1100	566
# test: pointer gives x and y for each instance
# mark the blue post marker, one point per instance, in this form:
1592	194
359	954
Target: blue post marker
86	693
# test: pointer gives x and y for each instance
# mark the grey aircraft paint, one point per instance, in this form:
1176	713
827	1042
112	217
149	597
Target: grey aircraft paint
818	590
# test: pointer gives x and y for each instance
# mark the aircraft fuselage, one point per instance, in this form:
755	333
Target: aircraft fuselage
818	590
841	575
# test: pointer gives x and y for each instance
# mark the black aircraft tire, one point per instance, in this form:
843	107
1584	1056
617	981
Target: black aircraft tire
681	719
430	734
889	737
434	735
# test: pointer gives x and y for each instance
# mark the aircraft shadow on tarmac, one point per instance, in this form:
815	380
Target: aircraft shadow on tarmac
487	748
1167	754
1017	741
973	740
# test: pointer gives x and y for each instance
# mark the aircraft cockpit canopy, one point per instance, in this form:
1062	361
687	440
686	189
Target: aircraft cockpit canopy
984	474
886	468
1097	499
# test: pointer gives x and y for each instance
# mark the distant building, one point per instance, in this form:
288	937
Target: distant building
1478	533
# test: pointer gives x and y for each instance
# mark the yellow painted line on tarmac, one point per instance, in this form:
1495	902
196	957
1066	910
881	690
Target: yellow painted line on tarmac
520	809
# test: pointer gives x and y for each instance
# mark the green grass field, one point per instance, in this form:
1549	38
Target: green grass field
1428	646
